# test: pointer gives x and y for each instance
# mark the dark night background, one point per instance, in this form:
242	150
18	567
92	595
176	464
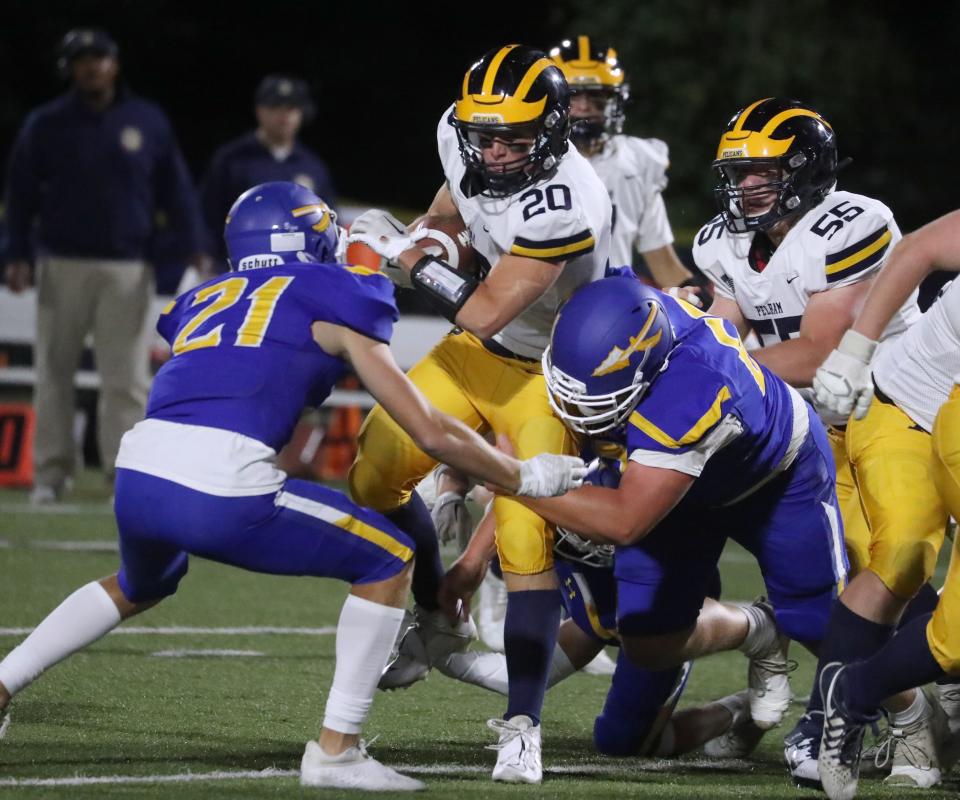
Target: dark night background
883	73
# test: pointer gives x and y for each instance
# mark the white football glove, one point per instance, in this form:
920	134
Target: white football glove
548	475
451	517
687	293
384	233
843	383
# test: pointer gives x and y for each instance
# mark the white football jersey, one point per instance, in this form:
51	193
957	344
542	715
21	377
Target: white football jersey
635	173
565	215
918	370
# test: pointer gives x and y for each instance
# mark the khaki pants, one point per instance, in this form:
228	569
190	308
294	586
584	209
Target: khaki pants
110	299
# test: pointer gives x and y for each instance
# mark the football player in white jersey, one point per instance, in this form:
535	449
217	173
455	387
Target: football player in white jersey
917	376
791	259
634	170
540	216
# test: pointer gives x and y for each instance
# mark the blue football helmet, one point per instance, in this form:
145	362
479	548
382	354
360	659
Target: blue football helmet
280	222
571	546
609	342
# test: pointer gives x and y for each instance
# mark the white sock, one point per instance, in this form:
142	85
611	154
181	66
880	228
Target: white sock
365	636
917	709
560	667
486	670
85	616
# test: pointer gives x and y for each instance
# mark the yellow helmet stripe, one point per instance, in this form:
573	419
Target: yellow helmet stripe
304	210
532	74
790	113
491	76
746	113
583	45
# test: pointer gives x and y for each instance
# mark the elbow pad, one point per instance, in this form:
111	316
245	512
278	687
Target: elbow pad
447	288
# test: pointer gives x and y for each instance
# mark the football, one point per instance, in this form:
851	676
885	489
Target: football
448	239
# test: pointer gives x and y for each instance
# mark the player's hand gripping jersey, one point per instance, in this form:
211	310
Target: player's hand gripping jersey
244	367
842	240
635	173
564	216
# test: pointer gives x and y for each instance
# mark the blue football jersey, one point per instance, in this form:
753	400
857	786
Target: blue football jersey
714	412
244	358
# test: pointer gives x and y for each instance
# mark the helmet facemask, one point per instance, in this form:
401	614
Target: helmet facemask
591	133
548	137
588	414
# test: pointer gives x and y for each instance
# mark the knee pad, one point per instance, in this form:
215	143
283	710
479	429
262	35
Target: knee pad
524	540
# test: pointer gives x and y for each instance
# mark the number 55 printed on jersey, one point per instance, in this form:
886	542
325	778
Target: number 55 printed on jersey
224	295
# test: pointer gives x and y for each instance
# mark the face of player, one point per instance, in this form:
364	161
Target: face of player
758	188
279	124
504	155
94	73
588	106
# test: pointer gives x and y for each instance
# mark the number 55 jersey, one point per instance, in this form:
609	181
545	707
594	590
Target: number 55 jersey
564	216
843	240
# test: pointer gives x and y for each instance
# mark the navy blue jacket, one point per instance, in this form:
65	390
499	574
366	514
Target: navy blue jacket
93	182
246	162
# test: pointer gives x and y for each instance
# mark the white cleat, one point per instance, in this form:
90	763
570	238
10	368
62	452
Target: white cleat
742	737
842	740
518	750
916	749
441	637
602	665
352	769
949	697
492	611
769	686
408	662
801	748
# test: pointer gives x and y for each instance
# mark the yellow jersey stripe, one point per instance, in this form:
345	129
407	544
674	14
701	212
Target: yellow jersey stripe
581	246
168	307
356	269
702	425
304	210
860	255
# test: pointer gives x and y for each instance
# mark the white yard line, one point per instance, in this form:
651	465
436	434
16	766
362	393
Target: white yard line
207	653
620	770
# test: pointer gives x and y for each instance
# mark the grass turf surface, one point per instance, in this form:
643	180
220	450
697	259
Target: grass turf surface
119	710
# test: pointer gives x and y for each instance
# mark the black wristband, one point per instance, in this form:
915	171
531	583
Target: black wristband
447	288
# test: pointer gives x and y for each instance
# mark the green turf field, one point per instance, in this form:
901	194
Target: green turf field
235	726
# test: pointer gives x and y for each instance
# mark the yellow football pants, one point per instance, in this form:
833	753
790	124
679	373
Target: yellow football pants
487	392
892	460
943	631
856	534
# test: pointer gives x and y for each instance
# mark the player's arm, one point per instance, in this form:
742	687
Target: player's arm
437	434
729	310
934	246
827	316
666	267
621	516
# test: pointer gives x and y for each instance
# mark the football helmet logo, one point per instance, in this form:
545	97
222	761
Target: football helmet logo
791	146
512	92
279	222
609	342
593	69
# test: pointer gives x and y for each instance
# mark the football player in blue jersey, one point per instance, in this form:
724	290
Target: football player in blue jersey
717	447
199	476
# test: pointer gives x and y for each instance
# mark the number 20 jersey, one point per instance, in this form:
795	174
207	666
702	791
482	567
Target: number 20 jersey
843	240
565	215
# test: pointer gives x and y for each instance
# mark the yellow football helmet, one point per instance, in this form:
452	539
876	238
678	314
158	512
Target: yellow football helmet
787	136
593	68
512	92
